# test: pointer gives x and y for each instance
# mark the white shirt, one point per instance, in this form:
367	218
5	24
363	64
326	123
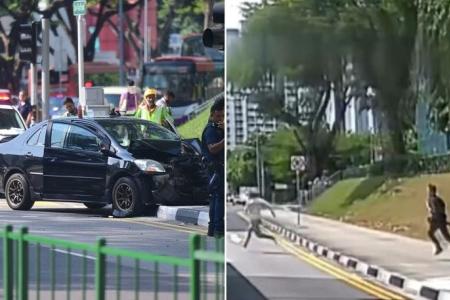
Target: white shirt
255	206
161	102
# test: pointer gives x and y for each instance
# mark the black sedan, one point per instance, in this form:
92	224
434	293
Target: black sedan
124	161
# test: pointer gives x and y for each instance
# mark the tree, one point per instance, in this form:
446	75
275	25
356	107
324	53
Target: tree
383	36
241	168
179	16
24	12
305	42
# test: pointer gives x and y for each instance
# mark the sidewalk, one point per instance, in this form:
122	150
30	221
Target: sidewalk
410	259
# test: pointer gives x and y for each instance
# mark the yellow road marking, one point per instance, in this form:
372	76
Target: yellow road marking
164	226
349	278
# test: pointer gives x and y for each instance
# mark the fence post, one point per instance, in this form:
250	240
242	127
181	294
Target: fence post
195	267
23	264
100	270
7	264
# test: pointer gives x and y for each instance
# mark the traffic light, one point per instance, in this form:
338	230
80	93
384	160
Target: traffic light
27	42
89	84
214	37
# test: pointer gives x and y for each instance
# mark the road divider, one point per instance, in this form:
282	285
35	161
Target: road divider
196	215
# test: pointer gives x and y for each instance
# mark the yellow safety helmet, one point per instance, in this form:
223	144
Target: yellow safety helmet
150	92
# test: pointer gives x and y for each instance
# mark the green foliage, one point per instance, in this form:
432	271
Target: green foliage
183	17
352	150
194	128
277	153
241	168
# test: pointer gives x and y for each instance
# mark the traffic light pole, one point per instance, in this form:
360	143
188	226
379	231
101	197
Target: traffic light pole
80	62
45	66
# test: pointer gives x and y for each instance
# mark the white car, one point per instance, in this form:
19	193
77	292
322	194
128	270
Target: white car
112	94
11	123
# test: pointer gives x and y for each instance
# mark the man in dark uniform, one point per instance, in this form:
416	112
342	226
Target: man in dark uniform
213	145
437	219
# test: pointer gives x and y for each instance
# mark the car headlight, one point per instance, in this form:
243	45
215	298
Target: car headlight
150	166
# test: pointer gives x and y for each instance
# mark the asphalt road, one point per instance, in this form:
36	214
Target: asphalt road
74	222
266	270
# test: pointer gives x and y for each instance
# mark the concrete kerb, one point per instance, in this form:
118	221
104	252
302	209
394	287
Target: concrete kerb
397	281
197	215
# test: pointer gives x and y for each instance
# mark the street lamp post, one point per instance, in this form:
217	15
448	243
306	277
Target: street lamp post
44	5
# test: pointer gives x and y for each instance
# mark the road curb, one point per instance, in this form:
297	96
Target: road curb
192	215
398	281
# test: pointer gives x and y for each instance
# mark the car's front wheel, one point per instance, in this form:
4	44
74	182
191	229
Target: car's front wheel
125	198
17	193
94	205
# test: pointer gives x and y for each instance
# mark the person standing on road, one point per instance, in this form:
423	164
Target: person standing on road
71	110
129	100
24	107
213	147
166	100
148	110
253	211
437	219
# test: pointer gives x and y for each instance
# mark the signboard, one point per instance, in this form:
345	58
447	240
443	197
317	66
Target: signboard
298	163
79	8
280	186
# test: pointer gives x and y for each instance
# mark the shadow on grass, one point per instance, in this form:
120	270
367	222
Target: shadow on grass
364	189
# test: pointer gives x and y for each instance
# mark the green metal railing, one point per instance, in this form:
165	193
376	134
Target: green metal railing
105	273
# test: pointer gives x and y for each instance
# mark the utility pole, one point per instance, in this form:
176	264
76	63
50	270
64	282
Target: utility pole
257	164
80	62
121	44
45	65
145	31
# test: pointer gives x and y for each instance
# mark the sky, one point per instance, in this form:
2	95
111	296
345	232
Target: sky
233	13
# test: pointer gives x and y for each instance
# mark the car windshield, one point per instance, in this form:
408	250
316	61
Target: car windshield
10	119
126	131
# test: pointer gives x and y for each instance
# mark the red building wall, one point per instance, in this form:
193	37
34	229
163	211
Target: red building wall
109	40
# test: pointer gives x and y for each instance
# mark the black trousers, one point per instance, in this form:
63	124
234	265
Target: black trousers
438	224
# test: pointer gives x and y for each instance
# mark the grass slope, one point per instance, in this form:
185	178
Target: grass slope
194	128
394	205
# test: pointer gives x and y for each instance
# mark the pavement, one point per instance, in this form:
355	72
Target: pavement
391	259
266	270
74	222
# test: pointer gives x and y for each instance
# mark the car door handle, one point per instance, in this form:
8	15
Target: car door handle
53	159
29	154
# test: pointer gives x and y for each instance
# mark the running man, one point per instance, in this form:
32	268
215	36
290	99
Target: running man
253	211
437	219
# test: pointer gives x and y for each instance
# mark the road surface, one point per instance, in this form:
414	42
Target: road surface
74	222
266	270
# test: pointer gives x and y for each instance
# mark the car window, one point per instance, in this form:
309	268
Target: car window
33	140
59	132
43	132
38	138
82	139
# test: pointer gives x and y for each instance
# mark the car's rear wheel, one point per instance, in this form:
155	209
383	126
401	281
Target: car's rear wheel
17	193
94	205
125	198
